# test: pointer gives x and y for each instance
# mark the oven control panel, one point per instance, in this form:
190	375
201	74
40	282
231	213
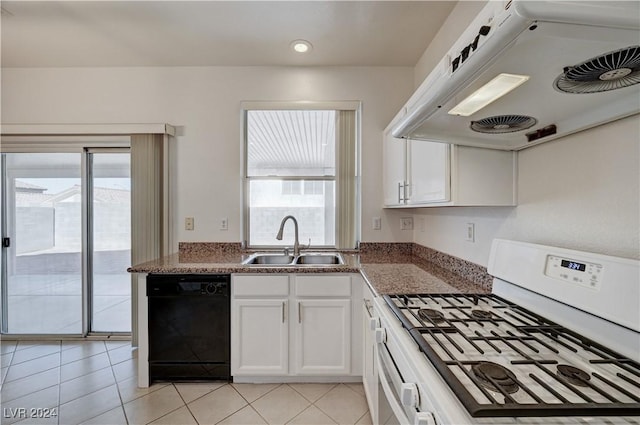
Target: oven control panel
574	271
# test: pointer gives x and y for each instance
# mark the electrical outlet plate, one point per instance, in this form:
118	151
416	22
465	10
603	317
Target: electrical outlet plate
224	224
189	223
376	223
471	232
406	223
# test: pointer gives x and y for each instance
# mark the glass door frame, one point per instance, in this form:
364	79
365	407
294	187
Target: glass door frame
86	239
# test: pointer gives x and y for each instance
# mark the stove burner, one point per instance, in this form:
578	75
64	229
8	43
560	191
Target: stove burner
429	314
574	375
502	379
481	314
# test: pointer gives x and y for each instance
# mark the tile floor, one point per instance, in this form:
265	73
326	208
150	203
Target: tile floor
94	382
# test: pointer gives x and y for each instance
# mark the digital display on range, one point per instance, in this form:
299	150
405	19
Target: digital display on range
573	265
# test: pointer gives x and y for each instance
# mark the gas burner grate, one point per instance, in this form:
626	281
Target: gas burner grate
495	377
484	333
431	315
573	375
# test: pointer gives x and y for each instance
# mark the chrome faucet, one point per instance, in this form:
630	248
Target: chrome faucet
296	243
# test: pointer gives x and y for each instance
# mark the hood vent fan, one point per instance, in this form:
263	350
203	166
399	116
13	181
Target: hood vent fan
500	124
611	71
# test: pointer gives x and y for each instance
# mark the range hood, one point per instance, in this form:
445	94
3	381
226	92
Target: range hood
580	60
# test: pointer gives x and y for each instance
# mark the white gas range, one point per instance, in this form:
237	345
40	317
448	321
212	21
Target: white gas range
556	342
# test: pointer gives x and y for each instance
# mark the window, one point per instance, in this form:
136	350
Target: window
294	166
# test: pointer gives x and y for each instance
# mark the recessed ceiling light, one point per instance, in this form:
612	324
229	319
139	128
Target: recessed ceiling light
301	46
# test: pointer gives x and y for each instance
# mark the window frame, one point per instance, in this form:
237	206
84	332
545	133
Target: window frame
338	106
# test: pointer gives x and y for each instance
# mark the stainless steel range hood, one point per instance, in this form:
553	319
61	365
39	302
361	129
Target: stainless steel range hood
546	41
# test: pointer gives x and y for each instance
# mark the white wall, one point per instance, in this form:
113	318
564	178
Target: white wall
204	103
458	20
581	192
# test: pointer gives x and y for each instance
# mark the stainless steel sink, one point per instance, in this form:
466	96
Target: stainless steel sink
306	259
270	259
319	259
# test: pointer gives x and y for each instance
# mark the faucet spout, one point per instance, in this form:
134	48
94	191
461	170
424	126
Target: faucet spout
296	243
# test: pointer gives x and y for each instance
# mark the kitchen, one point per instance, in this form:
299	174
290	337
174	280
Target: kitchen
581	192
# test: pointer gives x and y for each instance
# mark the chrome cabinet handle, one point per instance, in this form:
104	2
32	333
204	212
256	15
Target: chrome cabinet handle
400	190
299	314
283	308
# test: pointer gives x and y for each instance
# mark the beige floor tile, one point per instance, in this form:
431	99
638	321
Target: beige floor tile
32	367
182	416
113	345
5	359
280	405
252	392
3	374
312	392
365	419
84	366
86	384
195	390
125	370
112	417
89	406
25	344
129	389
30	384
46	398
153	406
34	352
217	405
245	416
78	351
120	354
357	387
7	346
343	405
312	416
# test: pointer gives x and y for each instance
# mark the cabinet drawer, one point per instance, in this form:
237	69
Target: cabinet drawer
260	285
322	286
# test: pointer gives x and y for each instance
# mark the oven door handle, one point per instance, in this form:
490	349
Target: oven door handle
383	369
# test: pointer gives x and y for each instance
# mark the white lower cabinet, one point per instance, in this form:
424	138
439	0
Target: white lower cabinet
261	337
323	337
294	325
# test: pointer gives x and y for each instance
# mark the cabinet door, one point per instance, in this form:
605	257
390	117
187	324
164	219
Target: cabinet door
393	170
323	337
259	337
430	172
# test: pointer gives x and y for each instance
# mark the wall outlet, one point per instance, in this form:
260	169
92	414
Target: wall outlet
376	223
406	223
471	232
224	224
189	223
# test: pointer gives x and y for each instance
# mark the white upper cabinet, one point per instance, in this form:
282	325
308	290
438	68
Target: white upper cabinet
417	173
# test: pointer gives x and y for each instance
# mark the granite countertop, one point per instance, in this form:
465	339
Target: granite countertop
386	268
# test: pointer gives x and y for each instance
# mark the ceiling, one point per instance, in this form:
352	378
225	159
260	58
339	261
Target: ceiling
217	33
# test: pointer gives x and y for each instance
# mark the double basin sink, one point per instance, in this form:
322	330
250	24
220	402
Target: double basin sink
305	259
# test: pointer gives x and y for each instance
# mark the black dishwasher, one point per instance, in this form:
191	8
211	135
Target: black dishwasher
189	327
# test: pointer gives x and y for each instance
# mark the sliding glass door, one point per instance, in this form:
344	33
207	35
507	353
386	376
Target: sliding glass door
66	243
42	292
110	247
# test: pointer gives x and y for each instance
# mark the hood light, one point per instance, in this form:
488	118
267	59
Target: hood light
493	90
301	46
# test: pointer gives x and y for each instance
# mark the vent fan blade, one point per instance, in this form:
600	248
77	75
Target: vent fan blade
611	71
500	124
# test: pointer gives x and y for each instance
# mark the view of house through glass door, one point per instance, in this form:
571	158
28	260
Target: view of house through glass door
67	245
